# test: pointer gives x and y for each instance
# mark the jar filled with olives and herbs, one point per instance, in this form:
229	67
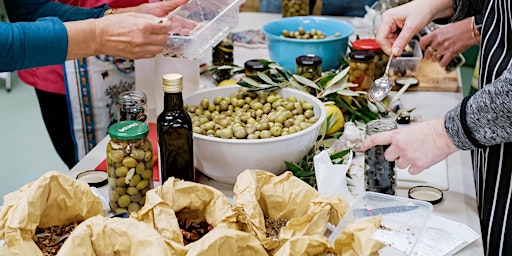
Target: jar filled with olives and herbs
290	8
130	165
379	173
371	45
132	106
309	66
252	67
361	69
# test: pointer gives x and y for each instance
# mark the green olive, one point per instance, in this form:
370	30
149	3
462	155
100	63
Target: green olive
124	201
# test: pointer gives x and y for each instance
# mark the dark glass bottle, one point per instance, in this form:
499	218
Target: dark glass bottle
174	128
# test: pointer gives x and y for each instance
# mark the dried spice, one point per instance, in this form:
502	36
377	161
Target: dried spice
274	226
46	237
193	231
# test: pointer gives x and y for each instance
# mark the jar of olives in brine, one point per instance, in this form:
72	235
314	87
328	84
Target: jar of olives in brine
361	69
252	67
381	58
290	8
130	165
132	106
379	173
309	66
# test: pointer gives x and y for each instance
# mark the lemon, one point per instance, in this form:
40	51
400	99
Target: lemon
227	82
335	117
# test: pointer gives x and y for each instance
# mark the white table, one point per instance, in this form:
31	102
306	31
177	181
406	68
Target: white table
459	202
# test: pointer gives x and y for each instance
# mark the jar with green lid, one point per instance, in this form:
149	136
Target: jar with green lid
253	66
379	173
309	66
129	165
361	69
290	8
371	45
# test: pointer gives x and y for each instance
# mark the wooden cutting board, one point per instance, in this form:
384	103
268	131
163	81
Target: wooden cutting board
432	77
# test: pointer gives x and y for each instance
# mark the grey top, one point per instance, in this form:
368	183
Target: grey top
489	111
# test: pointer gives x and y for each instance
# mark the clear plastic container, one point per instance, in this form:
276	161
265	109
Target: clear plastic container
203	24
407	65
403	220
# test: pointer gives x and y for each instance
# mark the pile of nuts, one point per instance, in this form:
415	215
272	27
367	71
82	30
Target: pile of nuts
47	236
292	8
193	231
274	226
251	115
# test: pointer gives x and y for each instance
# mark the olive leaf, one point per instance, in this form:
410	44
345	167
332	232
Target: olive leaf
348	92
266	78
341	75
307	82
250	81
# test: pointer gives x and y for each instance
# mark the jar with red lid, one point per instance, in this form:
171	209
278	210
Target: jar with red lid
381	58
361	69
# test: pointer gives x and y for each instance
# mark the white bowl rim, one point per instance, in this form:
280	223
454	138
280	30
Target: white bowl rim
308	18
321	119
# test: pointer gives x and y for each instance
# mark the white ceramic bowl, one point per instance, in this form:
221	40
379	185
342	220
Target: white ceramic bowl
224	159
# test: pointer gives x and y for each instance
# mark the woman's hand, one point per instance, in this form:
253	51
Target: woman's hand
418	146
158	9
398	25
446	42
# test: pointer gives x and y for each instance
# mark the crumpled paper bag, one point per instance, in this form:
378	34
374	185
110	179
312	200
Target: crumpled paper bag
305	246
53	199
259	193
186	200
114	236
356	239
224	241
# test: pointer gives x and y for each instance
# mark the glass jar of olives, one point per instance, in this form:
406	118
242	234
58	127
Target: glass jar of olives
251	67
361	69
381	58
129	165
132	106
309	66
379	173
290	8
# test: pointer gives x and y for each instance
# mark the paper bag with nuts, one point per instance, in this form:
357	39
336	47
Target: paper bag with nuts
183	212
52	200
278	208
114	236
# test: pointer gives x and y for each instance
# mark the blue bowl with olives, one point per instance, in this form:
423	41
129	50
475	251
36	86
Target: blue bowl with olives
288	38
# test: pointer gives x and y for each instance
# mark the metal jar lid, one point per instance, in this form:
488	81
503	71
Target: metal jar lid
426	193
361	55
366	44
308	60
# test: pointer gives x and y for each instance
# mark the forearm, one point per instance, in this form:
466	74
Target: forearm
76	32
462	9
31	10
488	115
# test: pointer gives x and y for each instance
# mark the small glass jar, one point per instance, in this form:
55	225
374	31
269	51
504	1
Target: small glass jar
361	69
129	165
381	58
132	105
252	67
222	54
290	8
309	66
379	173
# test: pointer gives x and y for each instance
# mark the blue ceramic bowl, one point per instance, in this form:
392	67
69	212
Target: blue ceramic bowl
284	50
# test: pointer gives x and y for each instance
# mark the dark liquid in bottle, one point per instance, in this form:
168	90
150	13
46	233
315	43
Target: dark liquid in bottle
175	141
380	173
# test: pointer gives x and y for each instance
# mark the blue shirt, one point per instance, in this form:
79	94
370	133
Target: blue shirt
37	36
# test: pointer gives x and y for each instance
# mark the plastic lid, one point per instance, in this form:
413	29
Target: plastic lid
309	59
361	55
254	65
95	178
172	83
128	130
367	44
426	193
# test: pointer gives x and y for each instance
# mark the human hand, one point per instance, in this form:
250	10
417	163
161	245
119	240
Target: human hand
444	43
398	25
418	146
131	35
159	9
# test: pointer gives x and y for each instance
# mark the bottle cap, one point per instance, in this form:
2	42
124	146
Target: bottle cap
367	44
254	64
308	60
361	55
172	83
426	193
95	178
128	130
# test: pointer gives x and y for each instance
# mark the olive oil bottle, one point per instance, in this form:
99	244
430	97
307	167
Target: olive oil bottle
174	129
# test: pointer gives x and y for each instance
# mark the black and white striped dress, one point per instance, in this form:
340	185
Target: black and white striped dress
483	123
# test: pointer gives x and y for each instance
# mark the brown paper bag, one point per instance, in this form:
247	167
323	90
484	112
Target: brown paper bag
53	199
305	246
259	194
224	241
178	199
356	239
114	236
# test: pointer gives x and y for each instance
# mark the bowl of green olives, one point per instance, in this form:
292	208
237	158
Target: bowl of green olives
236	130
290	37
